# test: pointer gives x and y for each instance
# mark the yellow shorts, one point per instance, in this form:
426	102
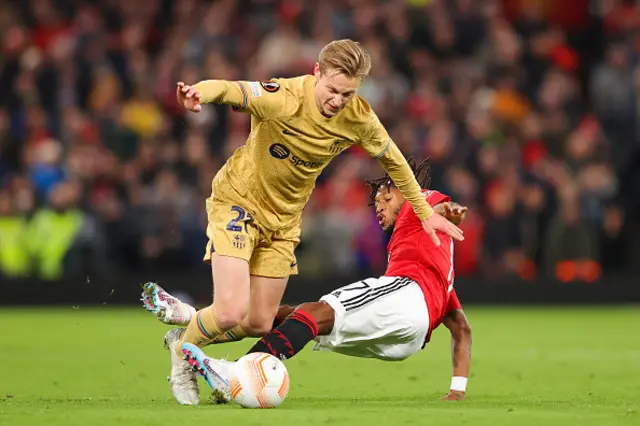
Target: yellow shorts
233	231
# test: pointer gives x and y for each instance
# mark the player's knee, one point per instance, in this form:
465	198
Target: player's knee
229	317
258	327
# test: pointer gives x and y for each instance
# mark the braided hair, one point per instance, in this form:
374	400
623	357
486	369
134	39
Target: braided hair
420	171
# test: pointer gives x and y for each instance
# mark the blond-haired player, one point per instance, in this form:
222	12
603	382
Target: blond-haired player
298	126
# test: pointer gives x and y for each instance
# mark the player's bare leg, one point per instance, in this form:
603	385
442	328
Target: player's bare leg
301	326
266	295
167	308
230	304
283	312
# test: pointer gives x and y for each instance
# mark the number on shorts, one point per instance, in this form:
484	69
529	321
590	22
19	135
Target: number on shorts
246	222
233	226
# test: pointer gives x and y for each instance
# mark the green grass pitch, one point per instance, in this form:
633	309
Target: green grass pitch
531	366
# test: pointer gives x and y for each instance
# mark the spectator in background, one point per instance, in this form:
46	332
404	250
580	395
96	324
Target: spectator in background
14	253
61	238
614	101
526	119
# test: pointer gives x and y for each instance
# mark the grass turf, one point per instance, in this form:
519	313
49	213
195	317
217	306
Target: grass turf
530	366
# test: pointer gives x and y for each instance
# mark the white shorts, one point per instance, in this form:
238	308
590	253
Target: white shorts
385	318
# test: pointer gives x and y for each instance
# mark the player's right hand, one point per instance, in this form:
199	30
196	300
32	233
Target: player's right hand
188	97
454	396
436	222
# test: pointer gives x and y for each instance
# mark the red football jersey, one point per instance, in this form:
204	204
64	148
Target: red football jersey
412	254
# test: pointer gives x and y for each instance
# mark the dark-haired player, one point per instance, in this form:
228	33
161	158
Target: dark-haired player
389	318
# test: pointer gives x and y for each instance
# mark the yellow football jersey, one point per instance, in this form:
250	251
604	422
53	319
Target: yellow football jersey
290	144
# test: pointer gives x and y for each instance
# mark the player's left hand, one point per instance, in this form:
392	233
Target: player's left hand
436	222
455	214
454	396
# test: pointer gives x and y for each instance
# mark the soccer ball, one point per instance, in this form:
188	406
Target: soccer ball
259	380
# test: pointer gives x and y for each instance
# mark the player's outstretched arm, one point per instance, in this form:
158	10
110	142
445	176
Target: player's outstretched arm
458	325
251	96
208	91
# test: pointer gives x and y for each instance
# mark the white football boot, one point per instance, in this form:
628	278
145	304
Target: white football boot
167	308
183	380
216	372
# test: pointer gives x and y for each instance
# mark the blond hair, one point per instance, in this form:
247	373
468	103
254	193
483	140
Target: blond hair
345	57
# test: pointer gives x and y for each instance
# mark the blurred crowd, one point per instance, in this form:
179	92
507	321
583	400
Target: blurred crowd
528	110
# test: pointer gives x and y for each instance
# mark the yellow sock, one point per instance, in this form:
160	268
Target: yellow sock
235	334
201	330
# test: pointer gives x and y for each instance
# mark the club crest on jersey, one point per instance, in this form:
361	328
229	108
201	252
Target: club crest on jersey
337	146
270	86
279	151
239	241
